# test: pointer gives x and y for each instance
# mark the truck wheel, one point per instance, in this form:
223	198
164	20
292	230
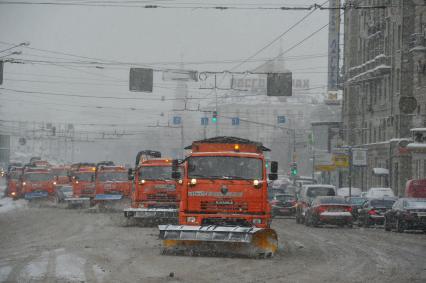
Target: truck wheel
366	223
399	226
387	226
307	221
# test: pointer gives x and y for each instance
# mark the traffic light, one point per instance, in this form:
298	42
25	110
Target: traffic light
214	117
293	169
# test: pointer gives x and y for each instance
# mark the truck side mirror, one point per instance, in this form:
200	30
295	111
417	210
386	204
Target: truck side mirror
175	169
274	167
176	175
130	174
272	176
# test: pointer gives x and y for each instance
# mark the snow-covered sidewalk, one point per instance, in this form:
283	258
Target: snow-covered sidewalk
8	204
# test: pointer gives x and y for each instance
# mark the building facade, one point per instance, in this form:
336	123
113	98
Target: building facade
384	55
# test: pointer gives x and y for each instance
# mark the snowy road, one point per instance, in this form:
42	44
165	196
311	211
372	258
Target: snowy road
59	245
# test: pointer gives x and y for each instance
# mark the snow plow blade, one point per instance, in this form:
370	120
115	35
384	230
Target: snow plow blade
108	197
109	203
151	216
77	202
36	195
219	240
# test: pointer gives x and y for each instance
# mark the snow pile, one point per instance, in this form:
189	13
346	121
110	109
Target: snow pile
8	204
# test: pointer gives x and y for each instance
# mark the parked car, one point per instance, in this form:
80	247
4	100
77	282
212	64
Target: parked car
373	211
63	192
379	192
407	214
356	204
307	194
344	192
329	210
283	205
416	188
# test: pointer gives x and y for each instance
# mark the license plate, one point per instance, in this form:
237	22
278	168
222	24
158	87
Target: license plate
284	209
224	202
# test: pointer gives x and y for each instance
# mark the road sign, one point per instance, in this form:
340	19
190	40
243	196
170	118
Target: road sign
141	79
341	160
281	119
279	84
235	121
359	157
204	121
177	120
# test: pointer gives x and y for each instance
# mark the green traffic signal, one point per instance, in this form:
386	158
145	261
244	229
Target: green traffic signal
214	120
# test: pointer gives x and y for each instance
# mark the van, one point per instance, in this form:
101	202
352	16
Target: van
415	188
379	193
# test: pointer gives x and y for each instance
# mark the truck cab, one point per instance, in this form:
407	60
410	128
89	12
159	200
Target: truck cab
225	183
112	180
83	180
61	175
37	182
14	183
154	186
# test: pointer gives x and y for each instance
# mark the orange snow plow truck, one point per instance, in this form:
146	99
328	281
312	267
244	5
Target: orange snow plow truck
224	206
155	195
83	184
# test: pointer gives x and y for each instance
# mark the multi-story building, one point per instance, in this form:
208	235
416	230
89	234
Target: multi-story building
384	57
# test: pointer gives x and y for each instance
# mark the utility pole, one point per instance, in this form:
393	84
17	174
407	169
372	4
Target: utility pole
215	93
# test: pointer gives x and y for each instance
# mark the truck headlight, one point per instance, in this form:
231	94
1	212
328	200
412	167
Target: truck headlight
257	221
193	182
23	183
191	219
54	183
180	182
13	193
141	182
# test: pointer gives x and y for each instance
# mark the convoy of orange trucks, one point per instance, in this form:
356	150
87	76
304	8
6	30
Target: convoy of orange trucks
224	204
214	201
155	195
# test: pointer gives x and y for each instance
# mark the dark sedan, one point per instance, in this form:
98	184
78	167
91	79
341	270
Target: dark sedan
283	205
356	204
329	210
407	214
373	212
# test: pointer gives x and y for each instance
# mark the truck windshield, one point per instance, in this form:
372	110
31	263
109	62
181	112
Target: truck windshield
84	176
155	173
14	175
112	176
60	173
38	177
225	167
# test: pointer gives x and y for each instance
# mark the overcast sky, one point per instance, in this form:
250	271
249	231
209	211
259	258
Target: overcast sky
144	36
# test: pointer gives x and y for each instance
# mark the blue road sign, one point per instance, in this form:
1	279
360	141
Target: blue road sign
177	120
235	121
281	119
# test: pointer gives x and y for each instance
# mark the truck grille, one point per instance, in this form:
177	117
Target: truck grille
162	197
224	205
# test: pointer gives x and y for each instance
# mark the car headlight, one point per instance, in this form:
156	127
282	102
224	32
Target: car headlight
191	219
257	221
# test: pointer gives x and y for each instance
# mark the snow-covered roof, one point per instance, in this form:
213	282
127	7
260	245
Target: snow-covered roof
416	145
418	130
380	171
